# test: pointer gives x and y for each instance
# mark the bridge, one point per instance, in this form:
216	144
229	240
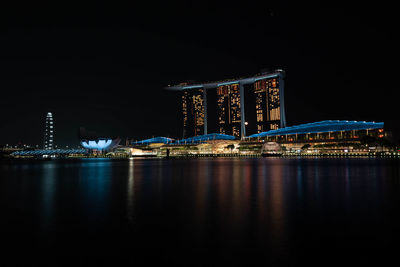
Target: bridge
48	152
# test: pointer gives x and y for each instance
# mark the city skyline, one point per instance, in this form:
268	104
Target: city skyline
109	74
198	133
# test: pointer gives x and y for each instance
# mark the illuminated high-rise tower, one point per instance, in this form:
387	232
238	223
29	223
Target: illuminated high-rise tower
268	104
49	132
267	89
229	113
193	110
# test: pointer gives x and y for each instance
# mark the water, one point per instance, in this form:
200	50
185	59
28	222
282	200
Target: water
200	212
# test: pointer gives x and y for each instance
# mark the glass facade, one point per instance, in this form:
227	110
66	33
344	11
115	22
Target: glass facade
49	132
193	111
268	114
228	105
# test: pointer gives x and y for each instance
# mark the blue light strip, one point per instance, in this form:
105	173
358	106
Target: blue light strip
191	87
164	140
203	138
228	83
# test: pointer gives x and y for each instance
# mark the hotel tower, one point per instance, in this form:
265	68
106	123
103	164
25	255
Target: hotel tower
266	89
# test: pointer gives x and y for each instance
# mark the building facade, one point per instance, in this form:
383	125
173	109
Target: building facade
193	111
230	115
49	132
324	132
267	96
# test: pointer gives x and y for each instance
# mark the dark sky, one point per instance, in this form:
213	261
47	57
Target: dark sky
104	66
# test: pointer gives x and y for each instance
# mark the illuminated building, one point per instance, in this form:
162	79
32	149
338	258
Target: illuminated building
49	132
324	131
204	138
100	144
229	113
268	108
154	140
268	91
90	140
193	111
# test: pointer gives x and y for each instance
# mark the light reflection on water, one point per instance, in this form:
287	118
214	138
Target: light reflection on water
130	192
48	193
274	206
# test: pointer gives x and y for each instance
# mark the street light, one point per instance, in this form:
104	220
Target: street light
245	130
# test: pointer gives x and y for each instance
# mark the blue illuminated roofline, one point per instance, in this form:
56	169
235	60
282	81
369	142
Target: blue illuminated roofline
202	138
322	127
154	140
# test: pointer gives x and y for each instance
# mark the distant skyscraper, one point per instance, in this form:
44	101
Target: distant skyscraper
49	132
193	112
228	100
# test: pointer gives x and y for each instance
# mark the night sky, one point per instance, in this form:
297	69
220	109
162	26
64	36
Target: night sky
105	66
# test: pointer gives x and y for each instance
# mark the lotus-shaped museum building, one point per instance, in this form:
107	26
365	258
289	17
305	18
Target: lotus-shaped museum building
102	144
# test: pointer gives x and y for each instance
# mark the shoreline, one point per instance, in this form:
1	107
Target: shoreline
392	155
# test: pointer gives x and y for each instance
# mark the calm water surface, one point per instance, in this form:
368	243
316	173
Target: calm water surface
200	212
